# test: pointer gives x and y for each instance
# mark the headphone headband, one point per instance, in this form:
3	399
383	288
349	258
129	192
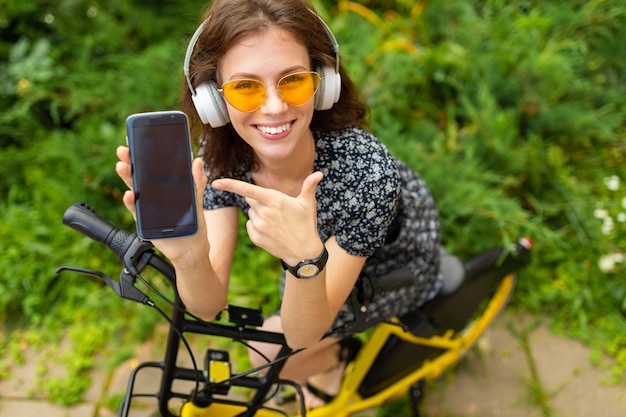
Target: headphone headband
332	39
190	49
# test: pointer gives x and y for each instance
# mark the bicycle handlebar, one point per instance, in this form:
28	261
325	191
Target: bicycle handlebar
134	253
82	218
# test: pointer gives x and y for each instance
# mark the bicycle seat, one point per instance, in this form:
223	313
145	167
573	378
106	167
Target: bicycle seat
452	271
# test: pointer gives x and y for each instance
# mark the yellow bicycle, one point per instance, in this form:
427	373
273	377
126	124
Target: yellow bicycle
397	357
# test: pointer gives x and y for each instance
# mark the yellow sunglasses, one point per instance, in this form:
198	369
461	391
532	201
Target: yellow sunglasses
248	95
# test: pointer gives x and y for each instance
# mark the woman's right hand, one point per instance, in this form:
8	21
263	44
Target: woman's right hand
179	250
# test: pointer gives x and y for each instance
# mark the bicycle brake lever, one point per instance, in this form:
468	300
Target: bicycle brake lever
123	289
115	286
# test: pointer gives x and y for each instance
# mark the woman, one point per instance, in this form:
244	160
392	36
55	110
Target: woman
320	192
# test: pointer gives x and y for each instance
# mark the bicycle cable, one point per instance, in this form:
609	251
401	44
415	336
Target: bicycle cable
204	323
269	363
183	339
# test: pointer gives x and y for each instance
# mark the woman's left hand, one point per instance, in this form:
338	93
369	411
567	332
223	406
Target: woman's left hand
284	226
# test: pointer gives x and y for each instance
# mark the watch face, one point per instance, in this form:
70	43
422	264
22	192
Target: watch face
308	271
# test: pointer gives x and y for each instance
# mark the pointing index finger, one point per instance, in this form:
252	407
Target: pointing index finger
242	188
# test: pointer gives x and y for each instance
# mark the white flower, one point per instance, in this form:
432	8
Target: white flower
600	213
607	263
612	182
621	217
607	225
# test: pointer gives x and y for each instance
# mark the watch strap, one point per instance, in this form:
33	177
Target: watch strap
298	271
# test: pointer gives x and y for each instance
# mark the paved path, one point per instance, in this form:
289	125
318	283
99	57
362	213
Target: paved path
519	369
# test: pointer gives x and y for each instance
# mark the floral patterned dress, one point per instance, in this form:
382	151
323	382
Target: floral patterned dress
377	207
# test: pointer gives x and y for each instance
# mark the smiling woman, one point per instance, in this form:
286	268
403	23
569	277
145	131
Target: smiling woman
260	111
283	139
203	101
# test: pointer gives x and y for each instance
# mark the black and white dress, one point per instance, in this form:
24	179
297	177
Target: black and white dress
375	206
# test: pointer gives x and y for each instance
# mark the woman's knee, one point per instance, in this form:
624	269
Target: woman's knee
264	352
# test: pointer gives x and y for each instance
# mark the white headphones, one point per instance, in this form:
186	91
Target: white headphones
211	106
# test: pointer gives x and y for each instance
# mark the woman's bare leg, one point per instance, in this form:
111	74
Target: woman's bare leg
316	364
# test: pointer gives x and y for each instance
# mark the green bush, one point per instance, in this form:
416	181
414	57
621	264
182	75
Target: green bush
512	111
71	73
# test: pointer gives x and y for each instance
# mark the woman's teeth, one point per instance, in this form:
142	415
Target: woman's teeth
274	130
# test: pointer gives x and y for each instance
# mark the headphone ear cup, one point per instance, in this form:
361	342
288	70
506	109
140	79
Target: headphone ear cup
210	105
329	89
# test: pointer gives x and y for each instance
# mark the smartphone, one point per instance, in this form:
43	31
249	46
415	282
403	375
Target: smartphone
160	156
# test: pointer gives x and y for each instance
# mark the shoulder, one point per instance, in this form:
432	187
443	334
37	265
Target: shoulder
358	170
353	138
353	148
358	196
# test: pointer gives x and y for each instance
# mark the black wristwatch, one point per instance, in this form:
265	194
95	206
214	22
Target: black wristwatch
308	268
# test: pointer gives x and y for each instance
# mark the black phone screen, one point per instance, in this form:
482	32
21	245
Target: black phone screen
161	163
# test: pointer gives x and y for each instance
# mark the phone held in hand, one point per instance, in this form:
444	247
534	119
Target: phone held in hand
160	155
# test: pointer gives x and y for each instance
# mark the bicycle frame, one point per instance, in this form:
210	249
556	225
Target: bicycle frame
446	350
397	357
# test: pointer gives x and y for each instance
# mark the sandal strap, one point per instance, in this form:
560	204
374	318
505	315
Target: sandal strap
350	347
324	396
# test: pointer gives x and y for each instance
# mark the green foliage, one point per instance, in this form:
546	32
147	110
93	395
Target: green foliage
512	112
256	269
71	72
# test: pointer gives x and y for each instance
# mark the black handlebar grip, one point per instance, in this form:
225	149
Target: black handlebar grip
83	218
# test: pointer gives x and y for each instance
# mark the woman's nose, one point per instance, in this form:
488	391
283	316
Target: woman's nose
273	103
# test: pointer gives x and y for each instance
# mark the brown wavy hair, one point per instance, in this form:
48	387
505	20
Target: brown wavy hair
231	20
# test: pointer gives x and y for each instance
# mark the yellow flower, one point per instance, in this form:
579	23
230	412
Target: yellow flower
23	84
